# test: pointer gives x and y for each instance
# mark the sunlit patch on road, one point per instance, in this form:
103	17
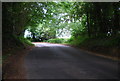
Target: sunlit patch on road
48	45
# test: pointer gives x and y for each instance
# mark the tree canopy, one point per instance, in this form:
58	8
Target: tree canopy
45	19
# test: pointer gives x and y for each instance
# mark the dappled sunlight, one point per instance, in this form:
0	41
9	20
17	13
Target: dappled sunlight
48	45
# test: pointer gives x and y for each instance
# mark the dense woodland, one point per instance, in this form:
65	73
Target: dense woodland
90	23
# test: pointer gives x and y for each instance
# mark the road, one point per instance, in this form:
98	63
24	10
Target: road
55	61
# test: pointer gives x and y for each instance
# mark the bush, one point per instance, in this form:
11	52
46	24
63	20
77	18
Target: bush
104	42
77	40
25	41
56	40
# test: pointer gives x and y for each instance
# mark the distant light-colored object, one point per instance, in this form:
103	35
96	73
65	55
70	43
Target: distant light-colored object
49	45
63	33
27	34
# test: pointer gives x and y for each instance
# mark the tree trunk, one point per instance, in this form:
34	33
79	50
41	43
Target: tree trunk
116	23
88	25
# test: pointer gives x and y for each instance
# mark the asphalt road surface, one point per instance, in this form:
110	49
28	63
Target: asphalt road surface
55	61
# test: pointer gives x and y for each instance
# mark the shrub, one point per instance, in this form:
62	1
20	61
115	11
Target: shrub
56	40
77	40
25	41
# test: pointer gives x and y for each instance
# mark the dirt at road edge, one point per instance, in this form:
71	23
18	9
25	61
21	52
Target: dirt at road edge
13	66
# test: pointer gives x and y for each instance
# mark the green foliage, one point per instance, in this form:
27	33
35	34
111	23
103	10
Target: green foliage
45	19
92	43
57	40
98	42
77	41
113	41
25	41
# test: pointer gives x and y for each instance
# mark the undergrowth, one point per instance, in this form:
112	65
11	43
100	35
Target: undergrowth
13	45
57	40
25	41
86	41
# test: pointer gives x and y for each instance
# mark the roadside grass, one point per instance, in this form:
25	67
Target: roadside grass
25	41
109	46
14	46
105	42
57	40
94	41
76	41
